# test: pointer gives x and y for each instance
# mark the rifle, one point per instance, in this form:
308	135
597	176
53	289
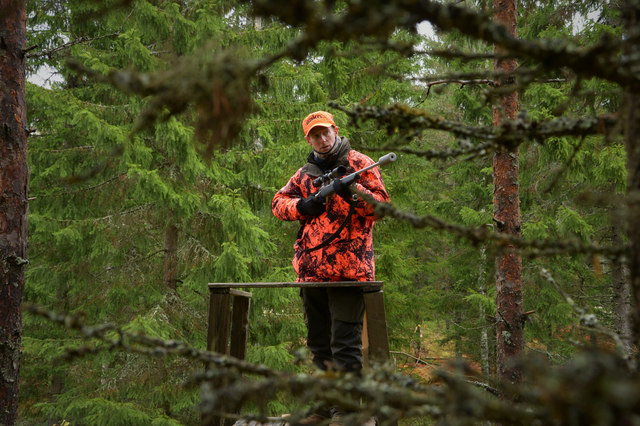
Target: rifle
340	171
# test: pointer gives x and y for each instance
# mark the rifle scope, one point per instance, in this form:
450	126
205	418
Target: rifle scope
326	178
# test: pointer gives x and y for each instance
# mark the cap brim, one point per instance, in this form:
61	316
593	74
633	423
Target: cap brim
325	124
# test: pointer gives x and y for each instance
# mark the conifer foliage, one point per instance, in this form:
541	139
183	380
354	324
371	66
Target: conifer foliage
156	151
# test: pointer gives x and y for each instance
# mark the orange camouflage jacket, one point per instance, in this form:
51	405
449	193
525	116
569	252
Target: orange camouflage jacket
350	256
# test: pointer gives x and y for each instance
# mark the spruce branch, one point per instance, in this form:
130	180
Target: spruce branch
103	9
50	52
159	347
116	151
108	217
90	188
64	150
218	85
575	90
565	166
589	321
129	262
379	46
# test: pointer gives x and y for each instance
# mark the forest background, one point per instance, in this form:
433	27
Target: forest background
147	184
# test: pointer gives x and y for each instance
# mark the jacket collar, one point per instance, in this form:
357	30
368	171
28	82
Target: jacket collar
317	166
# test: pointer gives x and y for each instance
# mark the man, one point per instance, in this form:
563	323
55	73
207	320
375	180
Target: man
334	244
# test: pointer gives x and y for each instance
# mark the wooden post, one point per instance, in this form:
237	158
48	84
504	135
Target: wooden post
218	338
240	324
376	334
376	327
239	331
218	332
365	341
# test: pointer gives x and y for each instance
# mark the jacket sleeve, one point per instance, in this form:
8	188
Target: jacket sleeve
285	201
371	183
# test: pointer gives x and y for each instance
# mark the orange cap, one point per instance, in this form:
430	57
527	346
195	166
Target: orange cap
318	118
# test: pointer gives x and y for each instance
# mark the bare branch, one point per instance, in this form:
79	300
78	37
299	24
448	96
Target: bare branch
434	154
599	60
382	393
501	241
510	133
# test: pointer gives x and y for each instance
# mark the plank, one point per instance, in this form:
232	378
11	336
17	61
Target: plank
218	331
218	337
240	327
373	284
377	327
365	341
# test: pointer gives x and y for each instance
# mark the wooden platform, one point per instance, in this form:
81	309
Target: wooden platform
228	329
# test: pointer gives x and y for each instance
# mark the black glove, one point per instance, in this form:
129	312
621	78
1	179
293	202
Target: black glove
342	189
311	206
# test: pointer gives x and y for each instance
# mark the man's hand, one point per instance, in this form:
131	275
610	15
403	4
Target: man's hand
342	189
311	206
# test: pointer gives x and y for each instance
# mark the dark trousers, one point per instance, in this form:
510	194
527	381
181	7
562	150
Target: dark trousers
333	316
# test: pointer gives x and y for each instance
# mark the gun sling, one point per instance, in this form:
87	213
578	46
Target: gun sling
347	221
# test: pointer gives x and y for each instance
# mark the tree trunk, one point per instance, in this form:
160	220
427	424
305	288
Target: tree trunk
13	200
633	165
506	213
621	302
484	338
171	257
550	344
632	139
57	377
57	386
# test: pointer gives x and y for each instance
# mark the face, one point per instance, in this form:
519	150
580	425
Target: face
322	138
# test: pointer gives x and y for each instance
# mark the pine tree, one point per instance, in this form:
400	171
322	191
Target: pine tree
506	215
14	177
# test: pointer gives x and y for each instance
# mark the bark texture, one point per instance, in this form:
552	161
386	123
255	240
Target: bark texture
506	213
57	386
631	15
484	338
633	166
171	257
13	200
620	278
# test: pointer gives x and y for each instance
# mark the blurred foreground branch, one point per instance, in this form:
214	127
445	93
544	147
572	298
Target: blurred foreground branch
586	391
502	241
509	134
